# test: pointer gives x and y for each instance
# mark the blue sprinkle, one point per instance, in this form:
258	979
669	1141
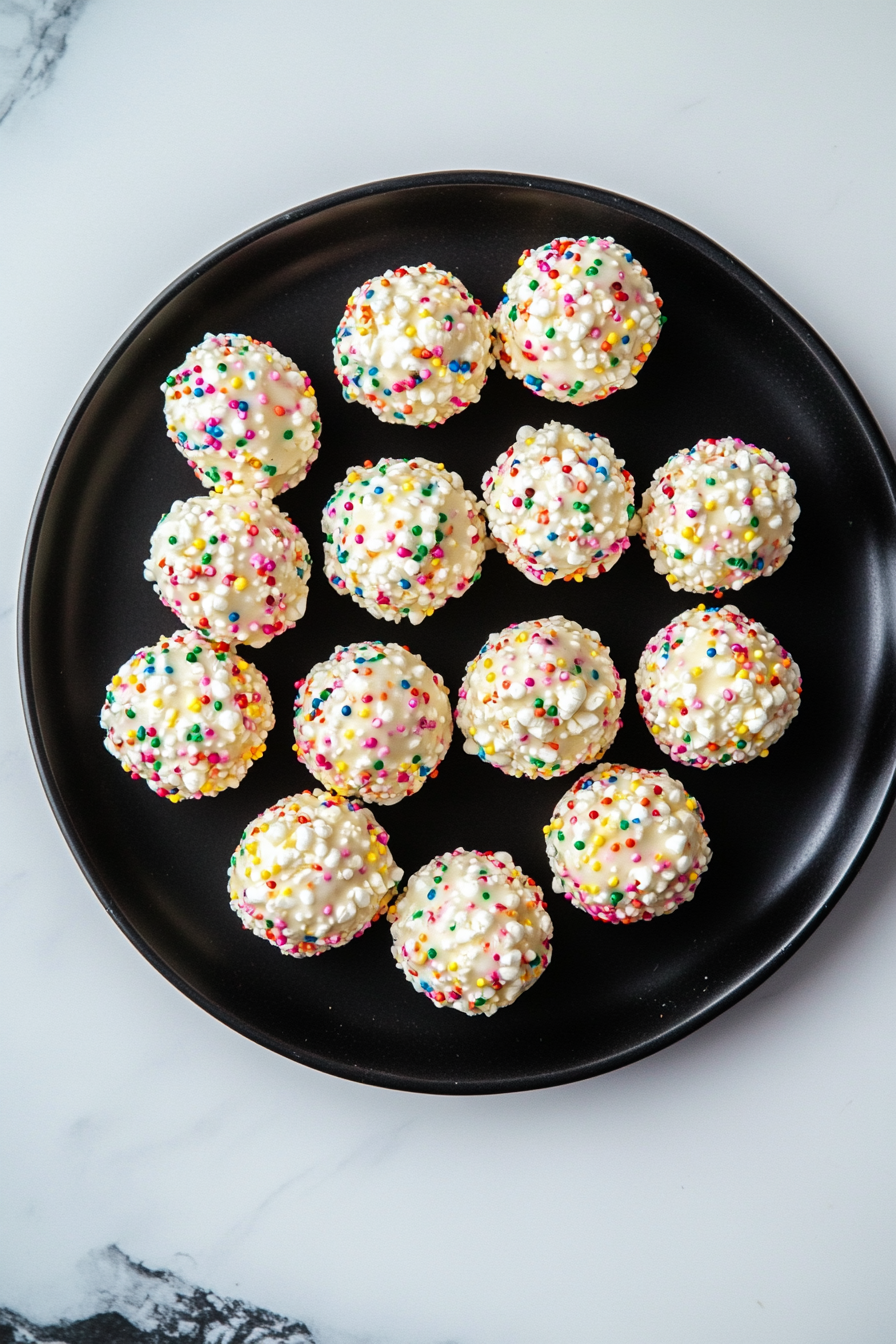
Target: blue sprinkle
552	536
595	674
373	372
431	895
760	564
377	489
169	670
710	653
405	685
405	583
465	367
387	391
625	340
234	616
346	709
628	256
454	366
243	405
592	461
182	436
315	703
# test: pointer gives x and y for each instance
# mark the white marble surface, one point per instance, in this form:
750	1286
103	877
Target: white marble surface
750	1194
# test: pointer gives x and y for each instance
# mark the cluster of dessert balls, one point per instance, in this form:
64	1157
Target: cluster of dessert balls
373	722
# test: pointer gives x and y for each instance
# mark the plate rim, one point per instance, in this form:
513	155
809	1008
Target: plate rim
486	178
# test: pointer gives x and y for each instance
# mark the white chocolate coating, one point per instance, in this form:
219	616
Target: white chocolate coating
719	515
471	931
187	715
312	872
559	503
372	720
402	537
243	415
627	844
716	688
540	698
578	320
232	566
413	345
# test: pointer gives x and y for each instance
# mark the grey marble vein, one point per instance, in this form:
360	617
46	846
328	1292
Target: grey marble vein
33	38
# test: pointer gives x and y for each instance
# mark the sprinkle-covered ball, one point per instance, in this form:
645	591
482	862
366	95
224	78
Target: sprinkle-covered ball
372	720
471	931
559	503
627	844
187	715
243	415
578	320
231	566
311	872
719	515
413	345
716	688
403	536
540	698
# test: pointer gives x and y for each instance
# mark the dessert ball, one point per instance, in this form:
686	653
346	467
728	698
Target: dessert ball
540	698
243	415
627	844
402	537
559	503
231	566
578	320
716	688
372	720
187	715
413	345
719	515
311	872
471	931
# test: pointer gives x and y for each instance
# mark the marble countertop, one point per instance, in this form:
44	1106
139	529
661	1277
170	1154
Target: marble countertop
738	1186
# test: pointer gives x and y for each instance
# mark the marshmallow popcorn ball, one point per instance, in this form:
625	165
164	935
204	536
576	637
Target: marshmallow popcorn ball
188	716
403	536
471	931
372	720
243	415
716	688
540	698
413	345
311	872
627	845
719	515
232	566
559	503
578	320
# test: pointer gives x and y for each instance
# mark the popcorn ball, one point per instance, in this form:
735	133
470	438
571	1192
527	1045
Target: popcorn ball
232	566
627	845
413	345
719	515
540	698
578	320
716	688
372	720
311	872
559	503
188	716
471	931
402	537
243	415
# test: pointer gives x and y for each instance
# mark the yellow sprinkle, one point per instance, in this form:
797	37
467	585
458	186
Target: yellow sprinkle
646	348
239	584
452	965
352	477
349	734
612	338
486	662
341	767
687	533
116	680
709	505
691	804
236	382
410	331
697	672
480	983
749	534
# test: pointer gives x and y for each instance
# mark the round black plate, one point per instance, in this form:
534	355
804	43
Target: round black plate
788	833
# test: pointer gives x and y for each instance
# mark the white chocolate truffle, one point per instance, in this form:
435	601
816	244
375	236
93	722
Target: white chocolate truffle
243	415
540	698
187	715
413	345
719	515
232	566
372	720
401	537
716	688
578	320
627	844
471	931
311	872
559	503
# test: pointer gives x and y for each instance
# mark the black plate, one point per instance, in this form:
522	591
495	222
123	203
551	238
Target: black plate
788	833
